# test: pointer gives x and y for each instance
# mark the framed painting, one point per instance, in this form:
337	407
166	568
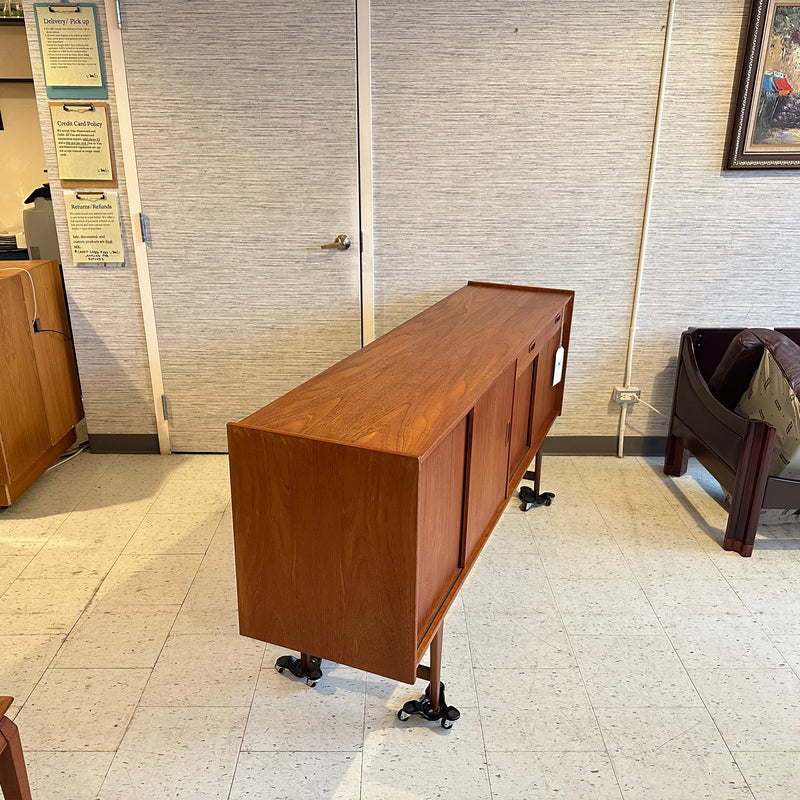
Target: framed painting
765	130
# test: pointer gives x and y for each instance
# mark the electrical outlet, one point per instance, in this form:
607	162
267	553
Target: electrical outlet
626	395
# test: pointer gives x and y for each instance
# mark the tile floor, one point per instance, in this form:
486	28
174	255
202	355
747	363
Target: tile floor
605	647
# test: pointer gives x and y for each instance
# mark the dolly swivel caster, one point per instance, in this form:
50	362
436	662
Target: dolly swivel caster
530	498
296	668
445	715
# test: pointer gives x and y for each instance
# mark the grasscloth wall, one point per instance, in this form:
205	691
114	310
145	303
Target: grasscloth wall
512	142
103	300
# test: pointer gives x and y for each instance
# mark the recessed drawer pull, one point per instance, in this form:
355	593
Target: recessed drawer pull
532	345
558	317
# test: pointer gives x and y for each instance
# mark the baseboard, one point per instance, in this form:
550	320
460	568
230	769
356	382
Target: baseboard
553	445
123	443
604	445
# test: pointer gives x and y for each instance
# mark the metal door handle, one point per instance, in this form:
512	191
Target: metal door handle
341	242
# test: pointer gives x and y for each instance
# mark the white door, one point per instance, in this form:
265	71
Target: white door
245	128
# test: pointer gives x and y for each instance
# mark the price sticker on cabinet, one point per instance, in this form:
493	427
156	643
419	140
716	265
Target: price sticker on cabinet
558	367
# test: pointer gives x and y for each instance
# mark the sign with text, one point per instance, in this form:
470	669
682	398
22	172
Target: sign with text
83	144
70	45
94	230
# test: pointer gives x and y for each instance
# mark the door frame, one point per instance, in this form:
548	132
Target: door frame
364	189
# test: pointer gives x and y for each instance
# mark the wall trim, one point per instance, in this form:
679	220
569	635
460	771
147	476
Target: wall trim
603	445
141	263
128	443
365	189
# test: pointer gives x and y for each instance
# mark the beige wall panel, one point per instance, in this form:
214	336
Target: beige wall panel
721	246
512	143
103	300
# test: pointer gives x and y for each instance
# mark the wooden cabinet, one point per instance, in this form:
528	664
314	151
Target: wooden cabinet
40	400
362	498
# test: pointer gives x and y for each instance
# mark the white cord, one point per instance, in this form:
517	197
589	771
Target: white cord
64	459
33	288
639	400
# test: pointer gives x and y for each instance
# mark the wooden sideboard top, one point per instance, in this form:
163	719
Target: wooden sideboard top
404	391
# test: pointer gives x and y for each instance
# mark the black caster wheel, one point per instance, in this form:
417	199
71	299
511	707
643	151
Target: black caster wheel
311	683
402	716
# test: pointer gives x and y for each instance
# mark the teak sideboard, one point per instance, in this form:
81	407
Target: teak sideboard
40	397
362	498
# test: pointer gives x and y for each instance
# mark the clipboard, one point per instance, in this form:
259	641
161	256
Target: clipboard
72	57
94	229
83	144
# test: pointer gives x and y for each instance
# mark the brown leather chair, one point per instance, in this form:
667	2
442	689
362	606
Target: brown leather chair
13	775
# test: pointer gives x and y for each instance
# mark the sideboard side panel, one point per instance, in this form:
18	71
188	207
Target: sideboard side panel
324	537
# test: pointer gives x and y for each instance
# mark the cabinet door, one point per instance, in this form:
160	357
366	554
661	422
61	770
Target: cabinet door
488	459
23	421
440	523
521	419
546	397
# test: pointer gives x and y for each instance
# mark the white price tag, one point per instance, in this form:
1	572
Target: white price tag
558	367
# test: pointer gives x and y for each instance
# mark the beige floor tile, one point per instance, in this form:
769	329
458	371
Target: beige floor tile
209	670
503	583
536	710
187	495
713	593
771	776
501	641
44	606
544	776
11	567
297	775
138	581
775	603
213	469
513	532
177	753
109	525
134	481
26	535
58	559
417	758
755	710
66	776
633	671
174	534
661	754
610	607
327	718
129	639
23	660
211	604
708	639
765	564
81	709
601	560
789	648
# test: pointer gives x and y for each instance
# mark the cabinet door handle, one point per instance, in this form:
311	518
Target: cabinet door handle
531	346
508	432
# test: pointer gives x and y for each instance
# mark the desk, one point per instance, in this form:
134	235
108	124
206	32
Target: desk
362	498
